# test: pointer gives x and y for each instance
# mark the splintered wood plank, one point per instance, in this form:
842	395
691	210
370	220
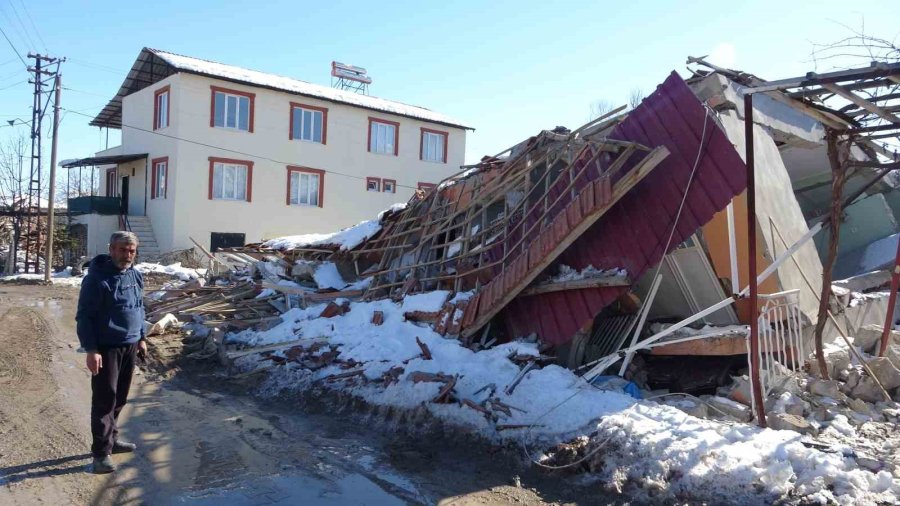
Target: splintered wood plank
577	284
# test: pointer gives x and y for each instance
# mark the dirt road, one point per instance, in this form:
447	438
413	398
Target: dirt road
202	440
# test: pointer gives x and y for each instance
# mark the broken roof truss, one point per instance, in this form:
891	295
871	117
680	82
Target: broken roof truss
497	226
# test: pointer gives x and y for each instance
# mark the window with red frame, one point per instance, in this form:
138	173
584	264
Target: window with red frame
159	178
232	109
161	108
230	179
383	136
427	187
389	186
433	146
111	182
309	123
373	184
306	187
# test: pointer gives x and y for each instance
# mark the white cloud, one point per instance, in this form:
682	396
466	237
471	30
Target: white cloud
722	55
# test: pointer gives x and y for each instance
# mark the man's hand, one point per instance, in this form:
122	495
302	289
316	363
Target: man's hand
94	362
142	349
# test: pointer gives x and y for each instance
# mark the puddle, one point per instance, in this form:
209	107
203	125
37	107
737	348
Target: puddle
51	306
351	489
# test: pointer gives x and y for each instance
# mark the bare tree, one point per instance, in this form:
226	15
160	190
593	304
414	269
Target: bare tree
13	188
635	97
857	47
599	108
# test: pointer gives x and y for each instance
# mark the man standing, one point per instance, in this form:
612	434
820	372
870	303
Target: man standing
111	330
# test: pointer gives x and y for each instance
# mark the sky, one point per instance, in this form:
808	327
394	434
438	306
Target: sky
508	69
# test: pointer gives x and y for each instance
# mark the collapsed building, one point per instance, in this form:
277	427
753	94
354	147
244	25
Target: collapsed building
631	234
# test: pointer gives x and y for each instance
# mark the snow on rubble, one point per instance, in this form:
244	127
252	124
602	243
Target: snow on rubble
656	446
345	239
174	270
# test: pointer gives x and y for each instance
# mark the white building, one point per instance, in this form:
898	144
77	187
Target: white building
229	156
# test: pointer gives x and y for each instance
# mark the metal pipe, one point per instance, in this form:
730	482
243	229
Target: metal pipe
751	247
892	300
732	249
640	325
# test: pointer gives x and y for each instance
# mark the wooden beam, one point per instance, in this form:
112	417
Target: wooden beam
621	188
577	284
861	102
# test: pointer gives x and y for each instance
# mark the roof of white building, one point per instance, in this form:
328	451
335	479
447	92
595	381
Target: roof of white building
153	65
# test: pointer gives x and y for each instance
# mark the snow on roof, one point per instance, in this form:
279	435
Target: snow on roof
253	77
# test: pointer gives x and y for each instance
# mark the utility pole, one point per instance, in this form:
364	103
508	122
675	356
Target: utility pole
51	199
33	205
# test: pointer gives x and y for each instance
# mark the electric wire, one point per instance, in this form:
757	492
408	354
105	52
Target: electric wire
34	26
15	12
230	150
13	48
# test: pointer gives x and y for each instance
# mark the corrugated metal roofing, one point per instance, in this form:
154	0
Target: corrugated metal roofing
633	233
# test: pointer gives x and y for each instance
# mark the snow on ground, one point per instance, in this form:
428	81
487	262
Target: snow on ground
63	277
656	446
174	270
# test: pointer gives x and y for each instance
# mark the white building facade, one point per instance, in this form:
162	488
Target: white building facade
235	156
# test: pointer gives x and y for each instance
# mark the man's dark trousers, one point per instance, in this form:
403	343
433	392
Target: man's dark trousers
109	390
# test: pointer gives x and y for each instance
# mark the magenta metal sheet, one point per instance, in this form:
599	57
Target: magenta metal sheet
633	233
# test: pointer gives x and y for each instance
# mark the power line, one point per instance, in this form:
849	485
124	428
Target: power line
13	47
97	66
229	150
30	20
14	84
21	24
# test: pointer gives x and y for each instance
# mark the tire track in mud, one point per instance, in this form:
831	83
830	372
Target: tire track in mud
38	438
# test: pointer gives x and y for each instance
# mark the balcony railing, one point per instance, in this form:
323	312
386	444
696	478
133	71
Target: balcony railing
95	205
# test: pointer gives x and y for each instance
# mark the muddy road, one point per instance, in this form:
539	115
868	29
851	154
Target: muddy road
203	439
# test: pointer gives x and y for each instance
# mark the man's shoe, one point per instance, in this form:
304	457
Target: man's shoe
123	447
103	465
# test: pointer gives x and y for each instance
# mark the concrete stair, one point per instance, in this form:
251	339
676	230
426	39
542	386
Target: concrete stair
148	248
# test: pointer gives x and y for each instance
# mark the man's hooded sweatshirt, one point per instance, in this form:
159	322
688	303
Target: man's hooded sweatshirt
110	306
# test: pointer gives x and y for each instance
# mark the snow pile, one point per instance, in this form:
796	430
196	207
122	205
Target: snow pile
346	239
63	277
174	270
656	446
857	298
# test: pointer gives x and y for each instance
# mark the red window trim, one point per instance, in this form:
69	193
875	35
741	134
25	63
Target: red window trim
156	94
308	170
376	179
323	110
153	163
396	134
422	142
213	160
426	186
386	181
111	182
212	104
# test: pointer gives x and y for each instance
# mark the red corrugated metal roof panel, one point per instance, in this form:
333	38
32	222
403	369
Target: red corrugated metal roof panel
633	233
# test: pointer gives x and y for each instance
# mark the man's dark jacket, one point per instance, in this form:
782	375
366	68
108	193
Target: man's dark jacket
110	306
